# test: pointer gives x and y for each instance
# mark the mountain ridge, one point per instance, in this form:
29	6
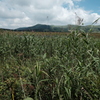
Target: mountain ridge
58	28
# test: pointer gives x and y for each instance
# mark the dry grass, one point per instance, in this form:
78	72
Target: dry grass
96	35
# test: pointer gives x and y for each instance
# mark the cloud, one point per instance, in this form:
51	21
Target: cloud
21	13
19	2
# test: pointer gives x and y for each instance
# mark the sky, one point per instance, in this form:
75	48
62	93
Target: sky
24	13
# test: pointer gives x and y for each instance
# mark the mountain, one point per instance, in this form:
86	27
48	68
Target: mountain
63	28
43	28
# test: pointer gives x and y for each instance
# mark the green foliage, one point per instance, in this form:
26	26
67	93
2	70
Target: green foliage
28	98
49	67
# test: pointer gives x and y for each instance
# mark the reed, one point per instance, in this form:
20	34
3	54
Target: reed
49	67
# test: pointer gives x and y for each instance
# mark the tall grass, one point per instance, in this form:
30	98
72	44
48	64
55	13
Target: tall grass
49	67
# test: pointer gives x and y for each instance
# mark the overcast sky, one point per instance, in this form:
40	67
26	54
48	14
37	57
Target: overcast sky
23	13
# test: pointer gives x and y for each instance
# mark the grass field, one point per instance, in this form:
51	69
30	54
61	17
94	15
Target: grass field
97	35
49	66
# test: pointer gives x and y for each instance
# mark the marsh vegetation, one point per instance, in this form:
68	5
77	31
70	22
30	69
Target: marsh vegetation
49	67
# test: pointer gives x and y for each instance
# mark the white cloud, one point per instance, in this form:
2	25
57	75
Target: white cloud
21	13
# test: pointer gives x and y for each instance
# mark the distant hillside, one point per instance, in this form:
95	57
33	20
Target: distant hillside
53	28
43	28
3	29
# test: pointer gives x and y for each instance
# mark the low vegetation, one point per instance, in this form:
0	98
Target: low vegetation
49	67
